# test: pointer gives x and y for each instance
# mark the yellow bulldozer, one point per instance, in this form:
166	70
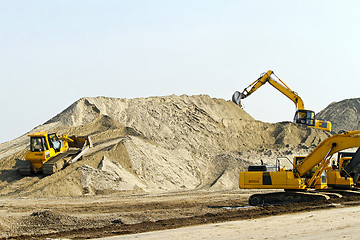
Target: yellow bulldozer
50	153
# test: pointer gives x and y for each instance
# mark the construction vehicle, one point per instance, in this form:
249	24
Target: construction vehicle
345	172
302	116
307	177
50	153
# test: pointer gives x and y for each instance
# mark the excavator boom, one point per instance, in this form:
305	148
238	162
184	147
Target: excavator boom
266	78
302	115
327	148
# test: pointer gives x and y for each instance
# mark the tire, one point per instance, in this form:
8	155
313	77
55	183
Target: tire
256	200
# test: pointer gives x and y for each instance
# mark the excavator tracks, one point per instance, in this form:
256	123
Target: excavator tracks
57	163
279	198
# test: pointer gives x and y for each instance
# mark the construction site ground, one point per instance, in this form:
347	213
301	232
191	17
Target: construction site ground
157	163
339	223
90	217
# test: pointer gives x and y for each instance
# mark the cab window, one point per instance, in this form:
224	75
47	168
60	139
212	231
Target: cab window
54	142
310	118
38	144
305	117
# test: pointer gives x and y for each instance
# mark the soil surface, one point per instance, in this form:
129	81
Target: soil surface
101	216
336	223
157	163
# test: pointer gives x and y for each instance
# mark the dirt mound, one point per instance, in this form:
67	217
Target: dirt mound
76	114
109	177
343	115
45	218
154	144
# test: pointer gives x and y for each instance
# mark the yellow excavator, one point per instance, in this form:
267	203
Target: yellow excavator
50	153
309	173
302	116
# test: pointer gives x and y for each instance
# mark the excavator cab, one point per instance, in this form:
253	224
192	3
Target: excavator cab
306	117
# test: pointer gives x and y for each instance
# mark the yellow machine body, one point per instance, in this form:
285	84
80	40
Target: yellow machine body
335	180
270	180
42	148
309	172
324	125
274	177
49	152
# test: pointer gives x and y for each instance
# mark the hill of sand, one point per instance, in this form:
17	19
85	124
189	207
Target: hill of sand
156	144
343	115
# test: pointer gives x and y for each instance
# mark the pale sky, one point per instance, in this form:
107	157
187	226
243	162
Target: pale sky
52	53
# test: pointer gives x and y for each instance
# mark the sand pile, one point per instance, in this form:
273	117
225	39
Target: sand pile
343	115
109	177
154	144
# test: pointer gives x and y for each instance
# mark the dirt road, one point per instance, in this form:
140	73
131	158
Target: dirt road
100	216
339	223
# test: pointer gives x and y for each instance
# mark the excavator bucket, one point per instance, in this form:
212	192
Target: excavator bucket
236	98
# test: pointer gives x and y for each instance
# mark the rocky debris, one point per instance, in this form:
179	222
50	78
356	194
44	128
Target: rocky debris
343	115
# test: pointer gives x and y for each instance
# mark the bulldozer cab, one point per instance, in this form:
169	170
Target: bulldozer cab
54	142
306	117
38	144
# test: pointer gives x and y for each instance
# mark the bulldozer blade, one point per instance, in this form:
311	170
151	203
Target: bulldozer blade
86	145
79	142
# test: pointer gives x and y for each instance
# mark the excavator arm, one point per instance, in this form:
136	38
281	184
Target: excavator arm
322	153
280	86
302	115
